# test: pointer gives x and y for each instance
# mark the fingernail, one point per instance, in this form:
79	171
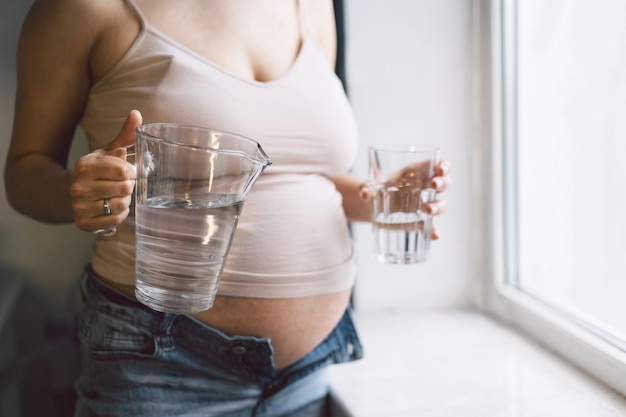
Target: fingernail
433	209
437	183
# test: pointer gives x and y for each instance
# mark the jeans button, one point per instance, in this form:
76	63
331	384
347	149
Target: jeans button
238	350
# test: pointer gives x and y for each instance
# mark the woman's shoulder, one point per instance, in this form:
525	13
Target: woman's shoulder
93	30
72	16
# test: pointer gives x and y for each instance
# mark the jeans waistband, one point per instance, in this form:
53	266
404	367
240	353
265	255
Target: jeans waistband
254	354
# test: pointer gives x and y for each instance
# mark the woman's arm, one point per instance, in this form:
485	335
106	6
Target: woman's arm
65	46
52	85
355	203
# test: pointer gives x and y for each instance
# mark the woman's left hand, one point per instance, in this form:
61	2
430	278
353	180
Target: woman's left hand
440	183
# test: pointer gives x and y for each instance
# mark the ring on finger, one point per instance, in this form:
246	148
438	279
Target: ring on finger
106	203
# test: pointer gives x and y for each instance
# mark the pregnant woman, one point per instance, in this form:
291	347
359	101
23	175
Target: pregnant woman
262	69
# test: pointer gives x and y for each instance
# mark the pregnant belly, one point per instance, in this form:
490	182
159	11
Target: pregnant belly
290	225
295	325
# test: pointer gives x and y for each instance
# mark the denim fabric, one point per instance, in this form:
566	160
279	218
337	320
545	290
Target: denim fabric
140	362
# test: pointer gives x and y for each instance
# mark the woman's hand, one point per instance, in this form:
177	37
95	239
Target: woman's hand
103	182
440	182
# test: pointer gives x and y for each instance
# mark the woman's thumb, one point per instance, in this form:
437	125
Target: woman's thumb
127	135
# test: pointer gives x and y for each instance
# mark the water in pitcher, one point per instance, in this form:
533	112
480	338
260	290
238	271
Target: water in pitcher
181	248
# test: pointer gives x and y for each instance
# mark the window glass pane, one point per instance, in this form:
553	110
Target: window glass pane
571	156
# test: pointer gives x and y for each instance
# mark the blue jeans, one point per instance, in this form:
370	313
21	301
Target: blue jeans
140	362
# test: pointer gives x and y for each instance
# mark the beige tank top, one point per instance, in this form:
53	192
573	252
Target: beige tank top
292	239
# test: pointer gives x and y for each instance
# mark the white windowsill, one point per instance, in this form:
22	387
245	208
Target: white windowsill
461	363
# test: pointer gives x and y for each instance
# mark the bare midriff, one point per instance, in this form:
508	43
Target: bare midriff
294	325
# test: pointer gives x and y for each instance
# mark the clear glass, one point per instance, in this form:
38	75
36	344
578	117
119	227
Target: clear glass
569	147
400	178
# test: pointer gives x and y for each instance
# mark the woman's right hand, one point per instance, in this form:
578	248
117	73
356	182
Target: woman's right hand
103	178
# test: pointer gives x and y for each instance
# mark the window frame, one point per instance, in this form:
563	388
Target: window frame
494	51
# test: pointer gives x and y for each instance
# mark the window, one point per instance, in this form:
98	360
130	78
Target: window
559	145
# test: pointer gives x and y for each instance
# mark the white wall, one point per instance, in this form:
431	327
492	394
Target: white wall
409	67
409	73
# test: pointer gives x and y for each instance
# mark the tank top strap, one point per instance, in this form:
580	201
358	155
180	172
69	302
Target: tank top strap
304	24
135	8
